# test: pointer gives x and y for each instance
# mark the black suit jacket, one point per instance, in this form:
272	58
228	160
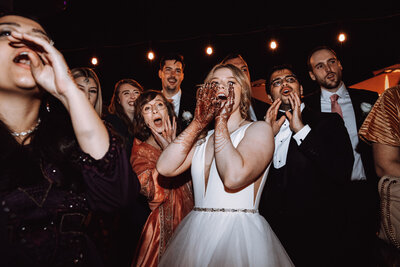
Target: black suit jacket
260	108
187	107
357	96
303	201
361	196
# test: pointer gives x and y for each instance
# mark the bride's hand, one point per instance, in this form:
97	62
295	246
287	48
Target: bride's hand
206	104
225	106
47	64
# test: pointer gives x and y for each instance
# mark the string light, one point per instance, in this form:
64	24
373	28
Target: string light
273	44
209	50
233	34
94	61
342	37
150	55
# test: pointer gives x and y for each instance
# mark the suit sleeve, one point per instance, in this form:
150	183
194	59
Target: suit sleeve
328	145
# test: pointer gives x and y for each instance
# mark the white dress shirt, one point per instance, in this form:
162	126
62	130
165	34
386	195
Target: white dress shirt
282	141
349	118
176	101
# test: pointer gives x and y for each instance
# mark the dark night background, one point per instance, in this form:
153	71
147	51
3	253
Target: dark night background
120	32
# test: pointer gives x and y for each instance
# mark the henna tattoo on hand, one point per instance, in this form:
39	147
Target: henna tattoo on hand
226	106
206	104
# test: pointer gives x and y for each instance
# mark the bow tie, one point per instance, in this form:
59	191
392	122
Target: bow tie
281	113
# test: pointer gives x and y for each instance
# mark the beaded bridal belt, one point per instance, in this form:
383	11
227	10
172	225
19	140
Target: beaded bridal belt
224	210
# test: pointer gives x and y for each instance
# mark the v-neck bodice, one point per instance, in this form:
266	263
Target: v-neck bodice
214	195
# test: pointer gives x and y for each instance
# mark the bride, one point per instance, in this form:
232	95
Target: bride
229	167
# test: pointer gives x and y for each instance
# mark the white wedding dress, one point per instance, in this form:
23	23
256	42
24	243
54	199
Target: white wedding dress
224	229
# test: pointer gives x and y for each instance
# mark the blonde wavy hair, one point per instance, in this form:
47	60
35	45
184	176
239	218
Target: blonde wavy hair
241	78
90	73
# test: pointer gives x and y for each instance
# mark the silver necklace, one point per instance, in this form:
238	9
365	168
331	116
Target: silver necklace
24	133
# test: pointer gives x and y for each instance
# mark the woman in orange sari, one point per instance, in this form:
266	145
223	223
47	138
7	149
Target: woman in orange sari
169	199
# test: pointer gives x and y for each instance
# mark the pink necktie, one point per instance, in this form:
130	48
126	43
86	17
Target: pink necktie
335	107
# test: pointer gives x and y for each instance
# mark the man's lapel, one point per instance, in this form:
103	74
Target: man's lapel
356	102
313	100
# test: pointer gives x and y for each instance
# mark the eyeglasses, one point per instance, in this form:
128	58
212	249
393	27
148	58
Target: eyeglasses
149	108
279	81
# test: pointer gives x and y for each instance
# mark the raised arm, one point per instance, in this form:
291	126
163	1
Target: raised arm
242	165
177	157
51	72
387	159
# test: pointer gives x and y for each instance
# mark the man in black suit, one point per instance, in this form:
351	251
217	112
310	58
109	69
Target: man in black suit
257	107
171	73
303	196
362	194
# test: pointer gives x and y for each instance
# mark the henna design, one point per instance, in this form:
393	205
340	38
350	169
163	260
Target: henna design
187	138
206	104
221	137
225	108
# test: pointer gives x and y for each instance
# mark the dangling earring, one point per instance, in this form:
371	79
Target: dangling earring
48	107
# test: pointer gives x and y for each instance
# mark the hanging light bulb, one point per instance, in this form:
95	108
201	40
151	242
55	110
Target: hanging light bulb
273	44
209	50
342	37
150	55
94	61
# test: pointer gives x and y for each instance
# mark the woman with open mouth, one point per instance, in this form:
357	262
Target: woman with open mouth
229	168
169	199
121	109
58	161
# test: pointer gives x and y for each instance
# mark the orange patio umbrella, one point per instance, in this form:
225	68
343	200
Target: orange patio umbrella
258	91
382	80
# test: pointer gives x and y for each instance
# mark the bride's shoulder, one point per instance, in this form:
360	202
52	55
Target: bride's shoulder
256	125
259	128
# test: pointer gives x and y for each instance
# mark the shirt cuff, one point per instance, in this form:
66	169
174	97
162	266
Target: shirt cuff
302	134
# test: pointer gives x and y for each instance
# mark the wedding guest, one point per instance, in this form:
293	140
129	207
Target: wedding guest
362	197
303	195
381	130
123	229
171	74
58	161
87	81
257	108
229	167
170	199
121	109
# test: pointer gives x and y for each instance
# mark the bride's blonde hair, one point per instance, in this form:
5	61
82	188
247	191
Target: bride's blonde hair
243	81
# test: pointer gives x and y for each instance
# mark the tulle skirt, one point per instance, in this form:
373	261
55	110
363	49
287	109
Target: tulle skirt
224	239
